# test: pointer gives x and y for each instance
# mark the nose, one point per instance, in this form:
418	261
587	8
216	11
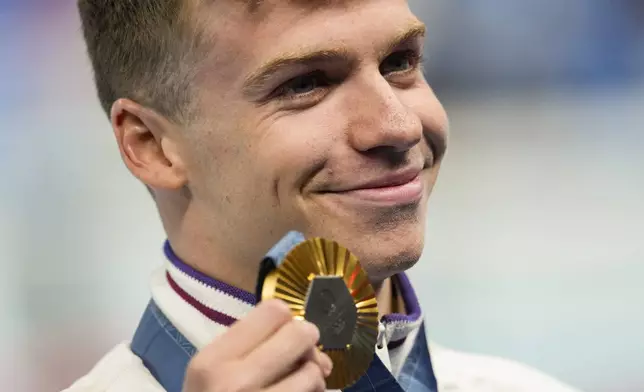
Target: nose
379	120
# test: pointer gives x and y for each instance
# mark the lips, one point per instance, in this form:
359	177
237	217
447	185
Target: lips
392	180
387	181
397	188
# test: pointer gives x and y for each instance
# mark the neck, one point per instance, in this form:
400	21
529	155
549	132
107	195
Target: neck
206	257
384	295
221	254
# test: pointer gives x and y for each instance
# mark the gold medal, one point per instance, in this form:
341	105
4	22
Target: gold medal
323	283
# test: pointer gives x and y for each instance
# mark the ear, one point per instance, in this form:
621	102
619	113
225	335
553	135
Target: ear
149	145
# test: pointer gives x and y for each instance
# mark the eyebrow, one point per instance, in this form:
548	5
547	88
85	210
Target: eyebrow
258	78
413	32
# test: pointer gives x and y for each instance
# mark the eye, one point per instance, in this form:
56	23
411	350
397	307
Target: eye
400	62
303	85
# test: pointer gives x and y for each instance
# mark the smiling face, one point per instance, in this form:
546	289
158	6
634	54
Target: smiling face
316	118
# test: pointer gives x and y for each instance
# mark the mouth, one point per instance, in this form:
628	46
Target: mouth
399	188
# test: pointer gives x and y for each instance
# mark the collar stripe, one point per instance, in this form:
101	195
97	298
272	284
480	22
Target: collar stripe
207	295
217	317
227	289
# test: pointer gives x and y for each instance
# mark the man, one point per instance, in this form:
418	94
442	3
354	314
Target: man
249	119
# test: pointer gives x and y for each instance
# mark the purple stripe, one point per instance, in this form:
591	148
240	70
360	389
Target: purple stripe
235	292
409	298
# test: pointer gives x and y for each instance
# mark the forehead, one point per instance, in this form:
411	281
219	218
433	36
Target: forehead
224	18
257	7
248	27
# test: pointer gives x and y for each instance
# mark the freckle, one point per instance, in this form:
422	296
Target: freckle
227	199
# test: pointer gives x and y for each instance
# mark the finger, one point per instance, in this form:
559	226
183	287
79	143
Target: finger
307	378
324	361
251	331
317	356
277	357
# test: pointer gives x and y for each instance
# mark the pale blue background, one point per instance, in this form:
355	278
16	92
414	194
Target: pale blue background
536	231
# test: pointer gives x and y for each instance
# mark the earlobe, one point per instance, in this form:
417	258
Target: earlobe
147	144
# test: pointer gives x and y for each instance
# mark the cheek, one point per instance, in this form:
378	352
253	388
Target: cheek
294	147
216	160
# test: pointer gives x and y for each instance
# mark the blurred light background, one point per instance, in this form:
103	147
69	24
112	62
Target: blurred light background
536	232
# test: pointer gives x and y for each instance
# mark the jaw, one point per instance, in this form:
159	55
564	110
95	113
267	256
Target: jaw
386	241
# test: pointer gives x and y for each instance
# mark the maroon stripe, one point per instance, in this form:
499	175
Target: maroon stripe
218	317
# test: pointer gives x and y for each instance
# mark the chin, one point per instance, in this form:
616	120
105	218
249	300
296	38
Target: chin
385	246
384	255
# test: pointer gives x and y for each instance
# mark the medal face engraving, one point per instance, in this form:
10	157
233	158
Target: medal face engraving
322	282
329	305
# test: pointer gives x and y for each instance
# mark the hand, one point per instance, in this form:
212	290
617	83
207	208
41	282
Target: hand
266	351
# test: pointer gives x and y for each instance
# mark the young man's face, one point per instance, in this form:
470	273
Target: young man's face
316	117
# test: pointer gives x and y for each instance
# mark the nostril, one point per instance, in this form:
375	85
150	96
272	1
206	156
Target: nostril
392	156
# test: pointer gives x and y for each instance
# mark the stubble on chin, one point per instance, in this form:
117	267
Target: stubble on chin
394	244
